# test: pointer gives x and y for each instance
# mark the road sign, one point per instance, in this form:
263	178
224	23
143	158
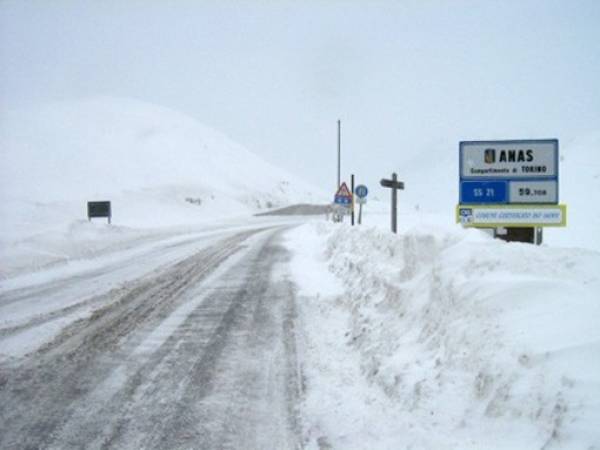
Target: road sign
483	192
507	216
509	159
343	196
538	191
99	209
361	191
392	184
508	172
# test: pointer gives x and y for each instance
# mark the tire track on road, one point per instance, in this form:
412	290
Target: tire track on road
40	395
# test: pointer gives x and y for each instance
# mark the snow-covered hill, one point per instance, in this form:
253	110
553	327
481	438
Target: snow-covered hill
157	166
145	158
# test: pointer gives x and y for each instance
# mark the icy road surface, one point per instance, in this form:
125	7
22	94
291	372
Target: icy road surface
199	352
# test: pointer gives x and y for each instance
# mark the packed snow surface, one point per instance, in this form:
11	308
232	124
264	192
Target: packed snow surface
444	338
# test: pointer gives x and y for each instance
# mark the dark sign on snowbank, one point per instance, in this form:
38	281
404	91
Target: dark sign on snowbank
99	209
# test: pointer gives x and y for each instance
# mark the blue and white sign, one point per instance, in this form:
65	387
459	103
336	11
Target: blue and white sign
343	196
361	191
342	201
496	172
483	192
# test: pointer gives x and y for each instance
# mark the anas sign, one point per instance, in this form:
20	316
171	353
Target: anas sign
509	159
343	196
508	172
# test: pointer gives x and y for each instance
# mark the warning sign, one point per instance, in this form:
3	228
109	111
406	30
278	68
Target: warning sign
343	196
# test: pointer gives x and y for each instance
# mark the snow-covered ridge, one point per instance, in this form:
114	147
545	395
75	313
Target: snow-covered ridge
462	341
159	167
107	145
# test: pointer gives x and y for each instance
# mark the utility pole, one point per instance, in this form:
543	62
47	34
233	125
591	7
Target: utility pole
339	148
394	204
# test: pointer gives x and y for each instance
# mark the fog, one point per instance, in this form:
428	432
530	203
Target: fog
406	79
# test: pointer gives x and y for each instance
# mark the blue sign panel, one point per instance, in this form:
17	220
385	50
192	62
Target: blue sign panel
483	192
342	200
361	191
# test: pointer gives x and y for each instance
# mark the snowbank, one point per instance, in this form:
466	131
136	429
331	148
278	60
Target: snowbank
445	338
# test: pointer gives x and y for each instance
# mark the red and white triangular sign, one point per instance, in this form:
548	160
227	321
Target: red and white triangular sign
343	191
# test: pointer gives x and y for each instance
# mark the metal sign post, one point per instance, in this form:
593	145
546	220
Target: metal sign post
394	185
339	152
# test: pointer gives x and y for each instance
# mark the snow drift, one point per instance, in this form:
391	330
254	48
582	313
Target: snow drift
445	338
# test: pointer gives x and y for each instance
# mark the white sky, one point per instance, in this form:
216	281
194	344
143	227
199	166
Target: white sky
404	77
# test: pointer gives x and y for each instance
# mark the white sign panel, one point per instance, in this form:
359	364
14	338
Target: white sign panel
515	216
509	159
533	191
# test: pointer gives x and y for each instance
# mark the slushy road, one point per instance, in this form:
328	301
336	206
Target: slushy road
200	353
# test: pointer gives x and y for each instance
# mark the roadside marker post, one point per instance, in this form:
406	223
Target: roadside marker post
394	185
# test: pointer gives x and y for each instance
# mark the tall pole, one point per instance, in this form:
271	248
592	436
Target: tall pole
394	204
339	142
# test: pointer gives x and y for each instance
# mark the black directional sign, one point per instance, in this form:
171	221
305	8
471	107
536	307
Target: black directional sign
392	184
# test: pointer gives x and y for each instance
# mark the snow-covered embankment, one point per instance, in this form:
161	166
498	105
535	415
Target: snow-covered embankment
444	338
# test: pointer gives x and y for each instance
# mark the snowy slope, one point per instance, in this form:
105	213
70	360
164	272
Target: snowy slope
580	190
445	338
111	148
158	167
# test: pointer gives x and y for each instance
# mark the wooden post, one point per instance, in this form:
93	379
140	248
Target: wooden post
394	184
352	204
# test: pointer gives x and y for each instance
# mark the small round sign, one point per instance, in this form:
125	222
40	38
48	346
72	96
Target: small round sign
361	191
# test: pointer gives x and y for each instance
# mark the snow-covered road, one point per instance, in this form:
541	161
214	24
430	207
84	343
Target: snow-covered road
259	334
200	352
